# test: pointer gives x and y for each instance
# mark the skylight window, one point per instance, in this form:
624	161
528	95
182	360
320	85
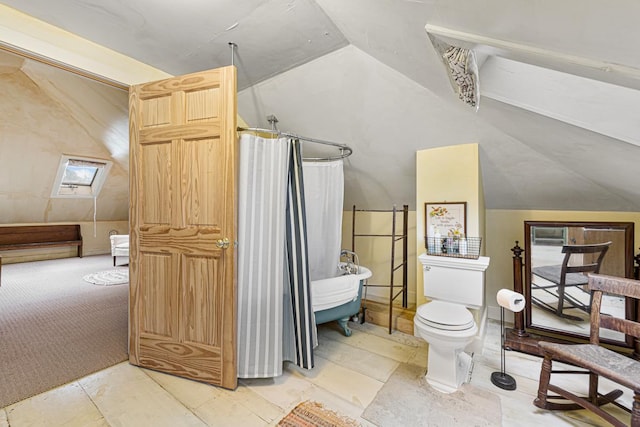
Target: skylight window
80	177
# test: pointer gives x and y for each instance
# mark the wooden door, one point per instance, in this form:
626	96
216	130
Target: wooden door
182	226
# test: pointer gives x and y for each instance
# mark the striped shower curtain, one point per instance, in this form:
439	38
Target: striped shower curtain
270	328
304	324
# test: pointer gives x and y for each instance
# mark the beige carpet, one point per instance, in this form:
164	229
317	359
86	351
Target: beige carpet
55	327
421	405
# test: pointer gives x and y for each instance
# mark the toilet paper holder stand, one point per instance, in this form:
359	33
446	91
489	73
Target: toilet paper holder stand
514	302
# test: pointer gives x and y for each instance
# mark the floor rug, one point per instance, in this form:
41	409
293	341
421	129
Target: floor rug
116	276
421	405
313	414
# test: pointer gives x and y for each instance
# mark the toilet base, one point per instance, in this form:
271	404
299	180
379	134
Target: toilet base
448	369
448	365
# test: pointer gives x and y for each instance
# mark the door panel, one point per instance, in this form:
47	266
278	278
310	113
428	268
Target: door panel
203	158
183	199
200	301
156	175
159	307
202	104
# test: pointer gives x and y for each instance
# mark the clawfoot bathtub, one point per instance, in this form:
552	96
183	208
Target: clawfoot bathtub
338	298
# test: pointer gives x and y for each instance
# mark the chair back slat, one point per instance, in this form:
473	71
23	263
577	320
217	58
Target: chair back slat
615	285
586	249
600	284
625	326
588	267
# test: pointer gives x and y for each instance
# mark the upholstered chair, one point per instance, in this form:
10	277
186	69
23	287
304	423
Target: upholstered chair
119	246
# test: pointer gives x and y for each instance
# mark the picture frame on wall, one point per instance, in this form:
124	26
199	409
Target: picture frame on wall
447	218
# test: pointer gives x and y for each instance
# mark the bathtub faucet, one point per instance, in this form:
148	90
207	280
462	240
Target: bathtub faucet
352	264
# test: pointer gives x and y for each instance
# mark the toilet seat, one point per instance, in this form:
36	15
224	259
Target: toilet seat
445	316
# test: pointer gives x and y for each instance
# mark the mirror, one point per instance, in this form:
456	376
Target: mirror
557	257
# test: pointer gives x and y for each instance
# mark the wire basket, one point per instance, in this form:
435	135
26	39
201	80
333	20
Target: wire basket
453	246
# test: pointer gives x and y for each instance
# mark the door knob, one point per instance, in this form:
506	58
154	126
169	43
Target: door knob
223	243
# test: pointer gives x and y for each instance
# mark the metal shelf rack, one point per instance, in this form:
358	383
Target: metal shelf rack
396	236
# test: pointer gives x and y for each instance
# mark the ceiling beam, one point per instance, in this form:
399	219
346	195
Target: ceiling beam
536	55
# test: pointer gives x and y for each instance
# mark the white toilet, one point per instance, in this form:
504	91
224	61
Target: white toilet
452	285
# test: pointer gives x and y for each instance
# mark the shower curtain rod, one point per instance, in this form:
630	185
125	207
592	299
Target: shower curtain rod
345	150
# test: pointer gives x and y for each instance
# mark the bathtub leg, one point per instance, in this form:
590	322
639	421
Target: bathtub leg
343	324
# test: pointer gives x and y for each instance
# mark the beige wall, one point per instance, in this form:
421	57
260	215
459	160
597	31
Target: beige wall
53	114
443	174
448	174
503	228
100	244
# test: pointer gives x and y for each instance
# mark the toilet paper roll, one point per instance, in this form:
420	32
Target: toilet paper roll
510	300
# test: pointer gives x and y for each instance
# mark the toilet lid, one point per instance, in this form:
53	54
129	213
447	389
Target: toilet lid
445	315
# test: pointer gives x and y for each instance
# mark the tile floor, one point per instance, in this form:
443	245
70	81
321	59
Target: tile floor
349	372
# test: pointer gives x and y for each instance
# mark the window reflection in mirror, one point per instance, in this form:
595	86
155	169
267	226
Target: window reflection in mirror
557	258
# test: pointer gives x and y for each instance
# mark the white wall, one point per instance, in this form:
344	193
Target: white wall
349	97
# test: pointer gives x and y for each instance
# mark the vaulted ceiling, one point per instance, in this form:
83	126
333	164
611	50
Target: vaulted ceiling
365	73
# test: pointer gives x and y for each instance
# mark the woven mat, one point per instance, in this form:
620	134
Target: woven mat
314	414
116	276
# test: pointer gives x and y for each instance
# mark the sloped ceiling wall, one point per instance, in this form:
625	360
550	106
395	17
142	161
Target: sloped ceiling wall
51	114
528	161
364	73
185	37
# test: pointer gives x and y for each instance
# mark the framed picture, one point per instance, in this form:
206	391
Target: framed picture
447	218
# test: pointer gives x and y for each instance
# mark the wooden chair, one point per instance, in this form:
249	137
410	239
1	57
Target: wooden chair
571	273
597	360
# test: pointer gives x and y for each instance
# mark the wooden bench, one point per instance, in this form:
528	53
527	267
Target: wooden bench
14	237
40	236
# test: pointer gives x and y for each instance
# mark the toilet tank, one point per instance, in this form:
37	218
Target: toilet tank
456	280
